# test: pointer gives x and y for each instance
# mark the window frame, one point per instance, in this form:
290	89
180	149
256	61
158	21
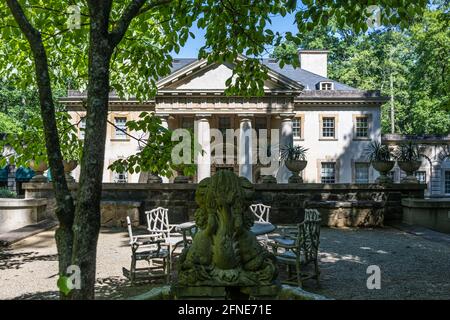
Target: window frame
424	174
321	127
190	118
82	133
301	119
225	129
445	191
355	166
322	83
326	162
369	126
112	128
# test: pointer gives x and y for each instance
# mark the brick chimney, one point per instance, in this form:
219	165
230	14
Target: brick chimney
314	61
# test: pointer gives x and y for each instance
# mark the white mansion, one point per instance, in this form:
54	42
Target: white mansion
334	121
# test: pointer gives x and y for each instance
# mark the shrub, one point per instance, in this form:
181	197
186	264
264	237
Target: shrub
6	193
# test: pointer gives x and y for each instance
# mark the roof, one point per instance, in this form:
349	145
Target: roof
177	64
308	79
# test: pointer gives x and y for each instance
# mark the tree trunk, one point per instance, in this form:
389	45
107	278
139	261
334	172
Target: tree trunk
64	201
87	214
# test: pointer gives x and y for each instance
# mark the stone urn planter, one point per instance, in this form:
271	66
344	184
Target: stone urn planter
180	178
268	179
296	166
409	167
383	167
154	178
39	169
69	166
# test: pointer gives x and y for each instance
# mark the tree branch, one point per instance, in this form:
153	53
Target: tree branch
139	140
134	8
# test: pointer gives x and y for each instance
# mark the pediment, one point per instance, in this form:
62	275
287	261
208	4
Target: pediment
200	75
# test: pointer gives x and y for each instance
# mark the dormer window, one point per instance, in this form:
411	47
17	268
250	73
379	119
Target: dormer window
326	86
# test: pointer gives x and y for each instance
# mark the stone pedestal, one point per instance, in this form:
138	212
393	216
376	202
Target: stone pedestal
152	178
269	179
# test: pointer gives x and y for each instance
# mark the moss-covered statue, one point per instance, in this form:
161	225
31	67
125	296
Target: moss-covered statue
224	252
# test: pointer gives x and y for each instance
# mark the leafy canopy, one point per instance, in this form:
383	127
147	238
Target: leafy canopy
29	144
232	27
418	59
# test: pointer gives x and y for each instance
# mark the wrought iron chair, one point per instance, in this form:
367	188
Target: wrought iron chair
159	228
262	214
300	248
146	247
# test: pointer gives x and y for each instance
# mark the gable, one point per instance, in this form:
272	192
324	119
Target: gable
212	77
202	76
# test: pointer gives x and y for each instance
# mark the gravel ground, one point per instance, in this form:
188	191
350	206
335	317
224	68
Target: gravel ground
411	266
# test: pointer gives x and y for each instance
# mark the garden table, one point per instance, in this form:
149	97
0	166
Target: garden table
258	228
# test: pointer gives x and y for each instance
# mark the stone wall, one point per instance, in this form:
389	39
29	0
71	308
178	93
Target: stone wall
339	204
429	213
18	213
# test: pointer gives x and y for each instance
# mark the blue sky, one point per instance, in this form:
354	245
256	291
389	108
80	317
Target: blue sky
190	50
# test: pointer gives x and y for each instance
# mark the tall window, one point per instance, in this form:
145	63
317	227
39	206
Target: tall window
120	127
260	123
361	172
82	127
297	127
120	177
362	127
326	86
421	176
328	127
328	172
447	181
224	124
187	123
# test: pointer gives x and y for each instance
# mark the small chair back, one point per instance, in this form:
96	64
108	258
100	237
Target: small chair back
158	221
261	212
309	234
130	230
312	215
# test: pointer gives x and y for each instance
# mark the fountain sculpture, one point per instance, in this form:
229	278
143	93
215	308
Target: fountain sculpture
225	256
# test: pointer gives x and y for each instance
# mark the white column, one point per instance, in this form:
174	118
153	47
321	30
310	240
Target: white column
203	135
164	123
245	149
286	139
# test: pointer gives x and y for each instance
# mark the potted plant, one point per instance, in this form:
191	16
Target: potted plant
38	166
184	172
381	159
187	168
71	151
294	157
409	160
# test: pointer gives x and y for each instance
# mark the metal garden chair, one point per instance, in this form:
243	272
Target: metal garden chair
146	247
300	248
159	228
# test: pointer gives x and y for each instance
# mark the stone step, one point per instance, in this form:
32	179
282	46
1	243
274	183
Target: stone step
8	238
